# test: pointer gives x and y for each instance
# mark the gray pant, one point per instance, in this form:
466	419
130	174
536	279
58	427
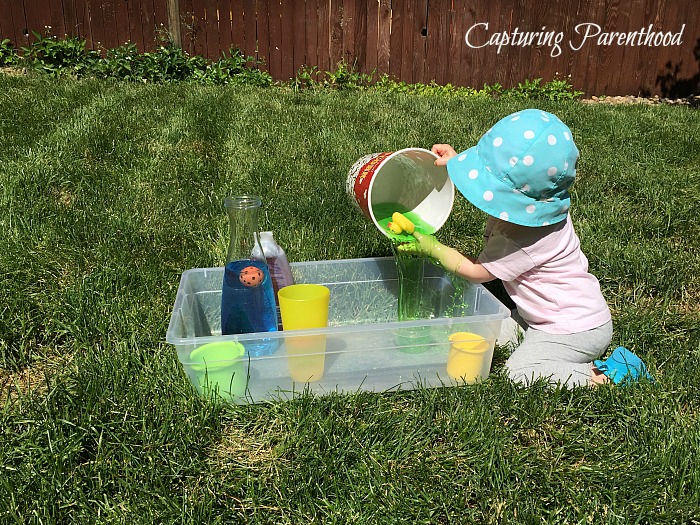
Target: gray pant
566	359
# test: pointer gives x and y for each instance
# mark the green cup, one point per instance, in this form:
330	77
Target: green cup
414	340
218	368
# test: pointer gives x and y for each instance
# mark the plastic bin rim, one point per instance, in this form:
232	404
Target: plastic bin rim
502	314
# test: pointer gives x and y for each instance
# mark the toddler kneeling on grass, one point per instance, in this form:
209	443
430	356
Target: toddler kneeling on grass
519	173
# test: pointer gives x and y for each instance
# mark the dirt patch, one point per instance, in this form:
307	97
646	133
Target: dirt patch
239	449
13	71
691	101
33	379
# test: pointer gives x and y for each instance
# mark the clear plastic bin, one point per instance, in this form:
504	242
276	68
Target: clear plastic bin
366	347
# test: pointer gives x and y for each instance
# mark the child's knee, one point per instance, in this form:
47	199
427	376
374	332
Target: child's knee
521	369
522	373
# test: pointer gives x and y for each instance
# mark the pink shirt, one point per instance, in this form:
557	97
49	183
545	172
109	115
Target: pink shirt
546	274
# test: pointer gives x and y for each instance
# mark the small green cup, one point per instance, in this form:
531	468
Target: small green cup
414	340
218	368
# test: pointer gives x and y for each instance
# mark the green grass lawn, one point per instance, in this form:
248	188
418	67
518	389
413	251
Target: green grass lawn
108	192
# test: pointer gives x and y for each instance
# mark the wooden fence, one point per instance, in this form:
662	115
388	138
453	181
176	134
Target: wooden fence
611	47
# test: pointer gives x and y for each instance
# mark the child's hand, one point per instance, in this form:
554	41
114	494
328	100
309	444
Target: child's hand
429	246
423	245
444	152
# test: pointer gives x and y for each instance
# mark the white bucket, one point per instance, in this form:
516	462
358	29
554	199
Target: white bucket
407	178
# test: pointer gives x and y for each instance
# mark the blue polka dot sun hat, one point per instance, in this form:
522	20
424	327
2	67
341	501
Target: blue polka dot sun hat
521	170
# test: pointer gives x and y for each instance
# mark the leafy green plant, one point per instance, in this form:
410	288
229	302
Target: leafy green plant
169	63
122	62
306	78
234	69
387	84
526	89
494	90
556	89
8	54
560	89
59	57
347	77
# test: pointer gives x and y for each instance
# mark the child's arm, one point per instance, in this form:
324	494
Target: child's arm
449	258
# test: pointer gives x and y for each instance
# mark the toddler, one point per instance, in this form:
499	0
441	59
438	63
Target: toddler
519	173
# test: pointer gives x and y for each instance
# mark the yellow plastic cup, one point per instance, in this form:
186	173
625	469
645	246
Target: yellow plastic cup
468	358
305	306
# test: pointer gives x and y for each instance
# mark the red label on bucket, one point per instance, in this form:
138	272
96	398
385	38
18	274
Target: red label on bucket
364	179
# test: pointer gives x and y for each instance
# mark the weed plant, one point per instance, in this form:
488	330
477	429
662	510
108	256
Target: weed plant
109	191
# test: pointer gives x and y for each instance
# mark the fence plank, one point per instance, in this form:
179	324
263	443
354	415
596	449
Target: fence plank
225	24
263	32
148	24
237	23
109	38
336	22
298	26
396	44
324	32
7	24
82	22
275	35
654	16
311	34
681	73
55	9
19	20
437	55
569	62
211	27
160	19
360	36
69	18
407	38
384	36
372	40
347	45
688	61
93	24
33	22
420	36
617	15
250	47
463	62
40	16
134	23
288	22
121	18
199	28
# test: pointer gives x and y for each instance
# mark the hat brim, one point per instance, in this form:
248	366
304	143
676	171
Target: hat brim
499	199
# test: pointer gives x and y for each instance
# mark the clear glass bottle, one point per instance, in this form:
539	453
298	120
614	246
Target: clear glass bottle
277	262
247	300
